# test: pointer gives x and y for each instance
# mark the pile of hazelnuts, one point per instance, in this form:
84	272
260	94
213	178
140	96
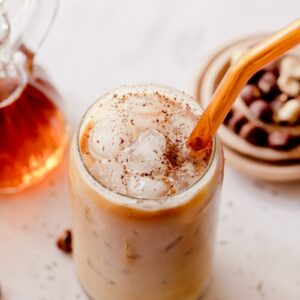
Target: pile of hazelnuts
272	106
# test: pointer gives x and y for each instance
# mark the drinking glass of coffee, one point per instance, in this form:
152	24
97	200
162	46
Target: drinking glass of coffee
144	205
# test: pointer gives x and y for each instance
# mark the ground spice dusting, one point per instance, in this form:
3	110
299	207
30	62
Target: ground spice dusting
171	154
175	163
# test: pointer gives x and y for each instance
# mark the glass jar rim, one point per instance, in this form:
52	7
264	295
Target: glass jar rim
99	187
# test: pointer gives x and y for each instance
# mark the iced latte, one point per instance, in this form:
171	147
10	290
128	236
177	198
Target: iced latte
144	205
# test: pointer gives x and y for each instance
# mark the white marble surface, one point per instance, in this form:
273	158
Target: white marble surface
98	45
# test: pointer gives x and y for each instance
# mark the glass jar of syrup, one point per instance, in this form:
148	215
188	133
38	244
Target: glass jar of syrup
32	127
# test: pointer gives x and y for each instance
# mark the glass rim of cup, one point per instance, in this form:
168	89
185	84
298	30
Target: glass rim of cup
99	186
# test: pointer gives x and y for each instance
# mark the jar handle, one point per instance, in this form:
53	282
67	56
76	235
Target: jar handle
36	31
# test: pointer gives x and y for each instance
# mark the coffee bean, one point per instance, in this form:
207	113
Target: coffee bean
267	82
249	93
237	121
254	135
262	111
279	140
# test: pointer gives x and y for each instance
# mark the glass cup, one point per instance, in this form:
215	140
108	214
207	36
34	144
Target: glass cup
130	253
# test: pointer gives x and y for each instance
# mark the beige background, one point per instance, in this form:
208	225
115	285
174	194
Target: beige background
98	45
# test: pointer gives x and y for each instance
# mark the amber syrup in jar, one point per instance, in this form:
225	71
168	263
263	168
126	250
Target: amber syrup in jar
32	129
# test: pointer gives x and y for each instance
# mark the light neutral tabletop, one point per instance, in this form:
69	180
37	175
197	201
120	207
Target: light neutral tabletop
98	45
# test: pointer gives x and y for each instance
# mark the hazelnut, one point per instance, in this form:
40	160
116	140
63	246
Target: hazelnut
280	140
237	121
272	67
289	112
228	117
288	85
262	111
267	82
249	93
282	97
254	135
290	66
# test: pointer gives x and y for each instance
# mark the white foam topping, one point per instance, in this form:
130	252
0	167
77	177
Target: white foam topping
136	144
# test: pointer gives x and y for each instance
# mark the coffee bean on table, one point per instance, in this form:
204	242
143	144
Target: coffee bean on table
237	121
267	82
249	93
254	135
262	111
279	140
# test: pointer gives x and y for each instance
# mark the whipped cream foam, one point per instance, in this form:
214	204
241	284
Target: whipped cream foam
134	142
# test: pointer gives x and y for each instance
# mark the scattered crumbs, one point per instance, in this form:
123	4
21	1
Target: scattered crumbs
54	264
64	242
50	236
230	204
112	282
43	224
51	182
53	193
224	218
237	272
259	185
48	267
274	192
260	288
50	278
24	227
223	243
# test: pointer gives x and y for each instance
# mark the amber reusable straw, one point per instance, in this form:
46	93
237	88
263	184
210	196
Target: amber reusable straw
237	76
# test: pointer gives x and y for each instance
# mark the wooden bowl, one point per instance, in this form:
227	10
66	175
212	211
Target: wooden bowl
259	162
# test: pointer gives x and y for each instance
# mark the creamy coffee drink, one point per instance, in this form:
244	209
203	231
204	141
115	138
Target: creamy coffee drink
143	204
